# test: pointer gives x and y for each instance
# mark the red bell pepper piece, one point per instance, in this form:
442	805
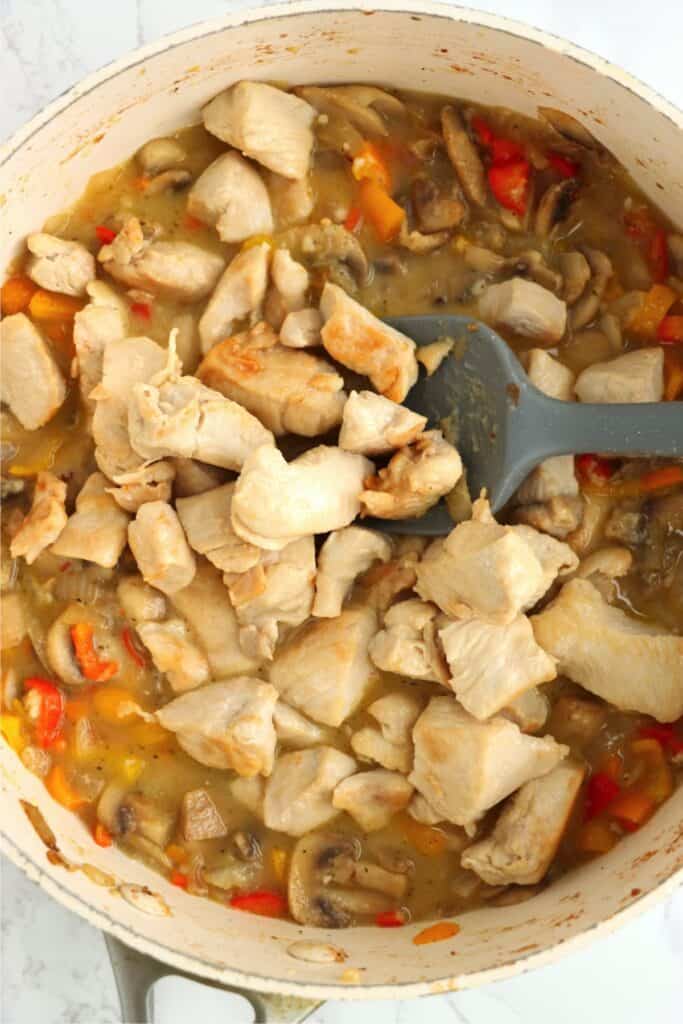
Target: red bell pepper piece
129	644
141	309
666	736
50	713
354	220
670	330
504	151
509	183
91	665
565	167
593	467
180	879
390	919
658	256
264	902
483	131
600	792
105	235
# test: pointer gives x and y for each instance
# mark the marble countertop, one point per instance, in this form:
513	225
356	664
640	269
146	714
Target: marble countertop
53	966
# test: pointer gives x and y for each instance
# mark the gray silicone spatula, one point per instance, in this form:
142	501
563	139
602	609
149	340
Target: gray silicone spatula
503	426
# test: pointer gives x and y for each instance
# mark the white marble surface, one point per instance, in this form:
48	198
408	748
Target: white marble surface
53	966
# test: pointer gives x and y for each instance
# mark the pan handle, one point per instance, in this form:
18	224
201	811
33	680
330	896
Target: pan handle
135	973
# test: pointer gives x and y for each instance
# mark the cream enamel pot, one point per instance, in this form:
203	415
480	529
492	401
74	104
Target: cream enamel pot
44	168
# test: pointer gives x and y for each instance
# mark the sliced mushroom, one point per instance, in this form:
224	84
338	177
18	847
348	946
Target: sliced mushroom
576	273
483	260
361	105
347	871
464	156
554	206
531	264
588	306
60	649
435	211
568	127
159	155
247	846
173	180
420	244
330	246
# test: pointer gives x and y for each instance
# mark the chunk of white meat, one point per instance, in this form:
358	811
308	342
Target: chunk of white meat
175	653
374	425
206	519
343	557
104	320
45	520
632	664
267	124
301	329
529	710
383	583
205	606
407	644
160	547
296	731
490	665
140	602
149	483
230	195
373	798
277	592
634	377
239	294
30	380
250	792
290	392
390	744
416	478
324	668
554	478
126	362
299	792
529	830
171	270
290	282
560	516
556	558
193	477
421	810
58	264
275	502
358	340
292	200
526	308
12	621
463	767
97	531
549	375
226	724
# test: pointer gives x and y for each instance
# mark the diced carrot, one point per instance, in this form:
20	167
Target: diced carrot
102	836
427	840
595	837
370	164
380	210
46	305
670	330
115	704
673	374
646	318
390	919
177	854
16	294
632	808
436	933
180	879
91	665
659	479
61	789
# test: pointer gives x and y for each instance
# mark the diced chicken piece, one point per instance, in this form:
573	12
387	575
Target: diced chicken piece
276	502
193	477
149	483
289	288
206	519
432	356
158	543
205	606
226	725
175	653
555	558
549	375
463	766
239	294
200	818
374	425
324	669
295	730
555	477
634	377
140	602
98	529
632	664
172	270
290	392
104	320
528	832
278	591
491	665
525	308
267	124
373	798
44	522
421	810
414	480
529	710
30	381
390	745
301	329
560	517
299	792
231	196
344	556
292	200
383	583
250	792
58	264
12	621
407	644
358	340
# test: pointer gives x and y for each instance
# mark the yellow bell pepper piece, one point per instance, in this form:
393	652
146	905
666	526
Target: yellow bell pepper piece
278	860
254	240
115	704
126	767
12	728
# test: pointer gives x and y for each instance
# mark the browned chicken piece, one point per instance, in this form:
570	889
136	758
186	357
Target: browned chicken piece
407	645
288	290
373	798
296	731
200	818
301	329
175	653
102	321
414	480
172	270
230	195
149	483
390	744
160	548
97	530
343	557
267	124
290	392
299	792
358	340
45	521
194	477
59	265
206	519
239	294
30	381
374	425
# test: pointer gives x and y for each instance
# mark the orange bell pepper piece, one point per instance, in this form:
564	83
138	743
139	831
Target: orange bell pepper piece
380	210
595	837
632	808
658	479
427	840
91	665
115	704
646	318
370	165
264	902
46	305
673	375
16	293
59	787
436	933
101	835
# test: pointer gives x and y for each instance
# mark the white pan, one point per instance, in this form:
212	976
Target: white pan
46	166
